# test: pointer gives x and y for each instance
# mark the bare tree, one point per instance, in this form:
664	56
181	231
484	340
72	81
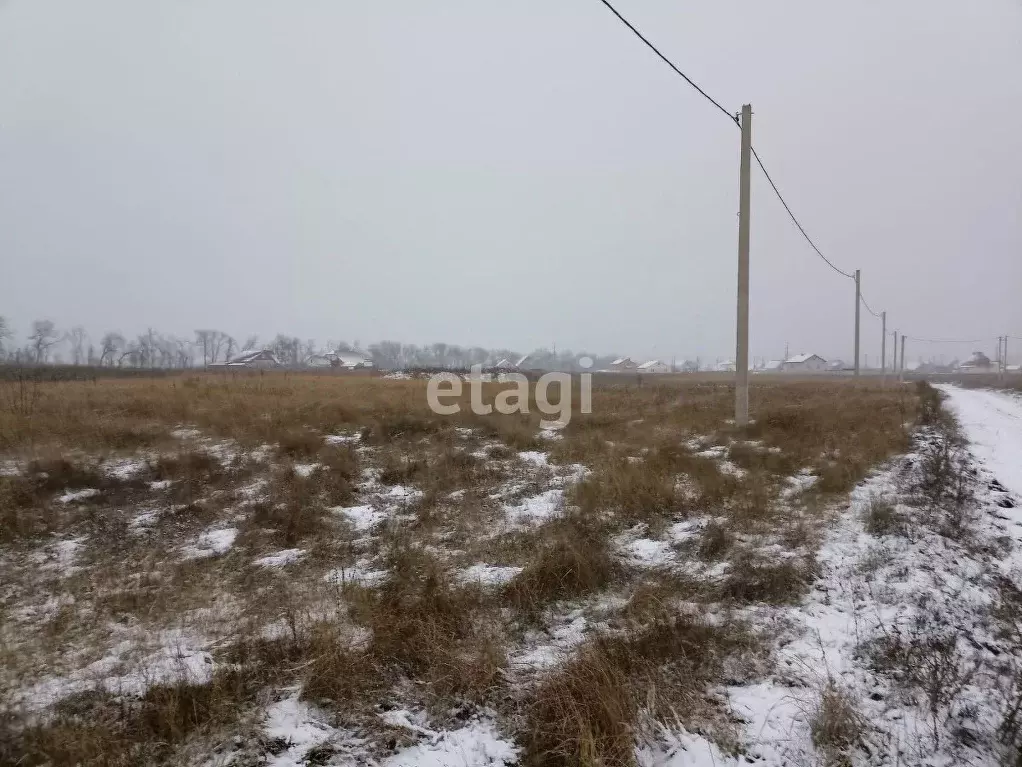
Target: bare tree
42	337
231	344
204	339
77	338
5	334
250	343
218	341
110	346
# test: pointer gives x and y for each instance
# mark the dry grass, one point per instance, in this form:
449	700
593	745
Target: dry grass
837	727
588	711
572	559
421	636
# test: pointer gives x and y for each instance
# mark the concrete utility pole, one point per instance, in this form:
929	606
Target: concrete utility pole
901	365
883	348
857	301
744	198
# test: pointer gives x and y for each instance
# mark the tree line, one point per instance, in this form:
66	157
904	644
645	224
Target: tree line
45	343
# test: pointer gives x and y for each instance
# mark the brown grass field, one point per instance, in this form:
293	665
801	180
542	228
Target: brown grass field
115	493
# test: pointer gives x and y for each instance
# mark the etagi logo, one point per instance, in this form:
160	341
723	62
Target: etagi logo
516	399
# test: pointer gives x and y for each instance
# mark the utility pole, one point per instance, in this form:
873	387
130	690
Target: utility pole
883	348
744	198
901	375
857	301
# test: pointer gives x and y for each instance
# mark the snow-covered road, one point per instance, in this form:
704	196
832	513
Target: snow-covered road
992	421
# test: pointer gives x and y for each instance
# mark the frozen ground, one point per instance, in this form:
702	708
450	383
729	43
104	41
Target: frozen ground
902	651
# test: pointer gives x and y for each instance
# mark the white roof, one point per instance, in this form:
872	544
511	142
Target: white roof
250	354
803	358
773	365
521	360
650	364
351	358
620	361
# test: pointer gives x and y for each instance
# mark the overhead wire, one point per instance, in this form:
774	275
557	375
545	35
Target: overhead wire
734	119
669	63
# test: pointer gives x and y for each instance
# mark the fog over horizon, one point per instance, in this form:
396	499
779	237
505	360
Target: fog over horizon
511	175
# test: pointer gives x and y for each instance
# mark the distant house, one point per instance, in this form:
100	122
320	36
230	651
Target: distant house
319	361
521	362
836	366
727	366
349	360
977	363
654	366
504	364
253	358
773	366
805	362
623	363
689	366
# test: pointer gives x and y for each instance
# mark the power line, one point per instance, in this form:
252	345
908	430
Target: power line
733	118
950	340
669	63
868	309
800	228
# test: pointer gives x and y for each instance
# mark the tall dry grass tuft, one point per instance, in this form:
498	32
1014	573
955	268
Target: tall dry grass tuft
572	559
587	712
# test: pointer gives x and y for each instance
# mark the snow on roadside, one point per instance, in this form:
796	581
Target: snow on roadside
870	589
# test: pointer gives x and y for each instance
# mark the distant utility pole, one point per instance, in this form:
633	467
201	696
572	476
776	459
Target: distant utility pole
901	376
744	198
883	348
857	300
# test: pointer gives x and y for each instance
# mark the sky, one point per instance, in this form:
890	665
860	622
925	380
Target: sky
512	174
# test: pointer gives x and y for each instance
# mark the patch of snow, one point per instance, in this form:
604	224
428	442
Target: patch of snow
211	543
479	744
551	650
124	468
79	495
281	558
403	493
295	723
488	575
537	508
161	484
535	457
128	669
730	467
363	518
717	451
799	483
305	469
186	433
358	575
680	748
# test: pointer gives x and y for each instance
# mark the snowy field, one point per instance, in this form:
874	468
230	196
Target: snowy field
286	573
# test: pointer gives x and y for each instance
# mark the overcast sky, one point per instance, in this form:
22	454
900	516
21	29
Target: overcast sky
513	173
